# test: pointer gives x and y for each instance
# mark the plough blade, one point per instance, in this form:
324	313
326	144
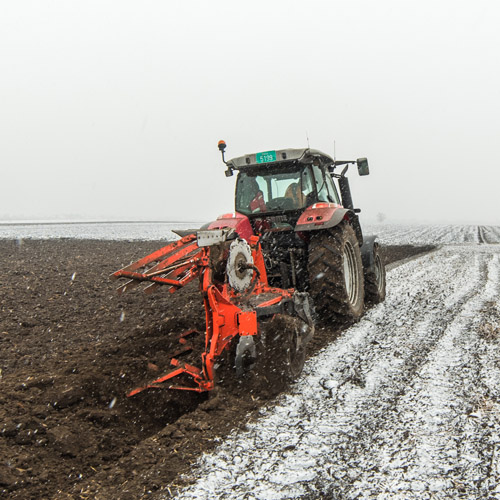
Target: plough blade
182	368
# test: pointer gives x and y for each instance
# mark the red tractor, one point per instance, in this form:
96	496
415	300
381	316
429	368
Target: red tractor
291	253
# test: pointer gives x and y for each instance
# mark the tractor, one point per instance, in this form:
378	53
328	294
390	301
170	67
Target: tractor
291	254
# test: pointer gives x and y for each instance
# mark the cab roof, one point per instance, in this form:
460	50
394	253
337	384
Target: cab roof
275	157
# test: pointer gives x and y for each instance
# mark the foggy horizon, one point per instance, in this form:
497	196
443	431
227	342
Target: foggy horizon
113	112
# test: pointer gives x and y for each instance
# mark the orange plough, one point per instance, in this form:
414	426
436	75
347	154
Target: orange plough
236	296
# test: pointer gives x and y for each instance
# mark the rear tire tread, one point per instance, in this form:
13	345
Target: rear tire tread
329	292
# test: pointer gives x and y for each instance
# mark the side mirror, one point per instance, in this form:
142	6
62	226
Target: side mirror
363	166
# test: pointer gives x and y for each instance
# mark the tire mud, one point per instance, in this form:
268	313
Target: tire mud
72	348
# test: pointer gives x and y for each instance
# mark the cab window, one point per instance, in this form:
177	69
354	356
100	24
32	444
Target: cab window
332	189
286	188
325	186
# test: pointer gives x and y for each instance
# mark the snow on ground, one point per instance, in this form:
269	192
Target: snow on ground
129	231
388	234
433	234
404	405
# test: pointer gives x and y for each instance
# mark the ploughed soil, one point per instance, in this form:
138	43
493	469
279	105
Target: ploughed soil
71	348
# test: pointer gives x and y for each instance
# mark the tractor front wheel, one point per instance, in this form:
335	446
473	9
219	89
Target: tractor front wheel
336	281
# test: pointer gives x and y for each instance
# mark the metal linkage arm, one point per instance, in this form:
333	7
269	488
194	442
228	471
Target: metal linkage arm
175	264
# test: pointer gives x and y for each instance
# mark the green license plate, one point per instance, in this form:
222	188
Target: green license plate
265	157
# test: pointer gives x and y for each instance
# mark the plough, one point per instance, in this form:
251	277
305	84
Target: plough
236	295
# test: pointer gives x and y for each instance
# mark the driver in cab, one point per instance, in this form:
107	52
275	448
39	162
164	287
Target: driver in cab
294	193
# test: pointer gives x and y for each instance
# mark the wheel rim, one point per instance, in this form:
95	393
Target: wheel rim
350	274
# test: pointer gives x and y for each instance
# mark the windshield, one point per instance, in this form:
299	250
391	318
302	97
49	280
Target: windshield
273	190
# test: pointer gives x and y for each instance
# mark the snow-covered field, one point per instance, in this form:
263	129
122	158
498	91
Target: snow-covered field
391	234
387	233
404	405
129	231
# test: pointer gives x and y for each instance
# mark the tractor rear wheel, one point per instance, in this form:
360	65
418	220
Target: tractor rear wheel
336	281
375	279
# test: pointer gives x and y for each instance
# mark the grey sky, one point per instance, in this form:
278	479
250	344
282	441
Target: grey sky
114	109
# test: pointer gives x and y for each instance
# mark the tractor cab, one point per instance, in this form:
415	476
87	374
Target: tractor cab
285	187
293	189
281	181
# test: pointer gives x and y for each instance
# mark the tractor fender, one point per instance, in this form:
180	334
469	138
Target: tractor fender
322	216
239	222
367	251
